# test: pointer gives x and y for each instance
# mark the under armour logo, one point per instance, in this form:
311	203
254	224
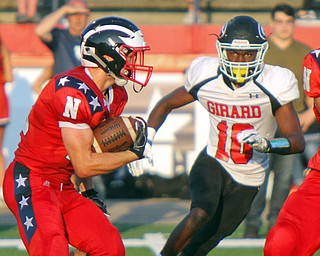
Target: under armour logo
46	183
253	95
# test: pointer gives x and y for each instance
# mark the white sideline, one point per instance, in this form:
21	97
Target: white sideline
154	241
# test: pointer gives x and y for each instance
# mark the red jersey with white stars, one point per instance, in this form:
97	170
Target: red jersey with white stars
71	99
311	84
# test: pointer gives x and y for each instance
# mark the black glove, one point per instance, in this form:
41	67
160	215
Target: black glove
141	140
92	195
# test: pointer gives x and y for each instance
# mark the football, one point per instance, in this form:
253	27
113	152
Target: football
115	134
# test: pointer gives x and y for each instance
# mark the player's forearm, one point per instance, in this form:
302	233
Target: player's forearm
176	99
297	143
50	21
159	114
284	146
102	163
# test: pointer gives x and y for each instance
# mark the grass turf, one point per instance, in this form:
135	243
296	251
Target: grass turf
137	231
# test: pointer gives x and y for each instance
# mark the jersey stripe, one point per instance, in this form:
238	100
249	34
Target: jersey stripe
275	104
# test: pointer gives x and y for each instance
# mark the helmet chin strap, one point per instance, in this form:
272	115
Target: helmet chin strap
118	81
135	88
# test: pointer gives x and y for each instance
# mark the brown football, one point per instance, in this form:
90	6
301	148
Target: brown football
115	134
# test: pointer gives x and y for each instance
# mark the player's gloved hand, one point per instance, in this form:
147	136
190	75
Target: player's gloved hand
138	167
147	153
141	140
255	140
93	196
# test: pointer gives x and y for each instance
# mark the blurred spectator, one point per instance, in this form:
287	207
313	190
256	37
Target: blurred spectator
64	42
5	76
286	52
45	7
27	11
193	15
308	12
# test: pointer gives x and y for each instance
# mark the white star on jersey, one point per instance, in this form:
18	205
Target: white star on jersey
63	80
21	181
23	202
84	87
28	222
94	103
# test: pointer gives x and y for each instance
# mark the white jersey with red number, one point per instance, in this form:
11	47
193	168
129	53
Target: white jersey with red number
311	84
251	106
71	99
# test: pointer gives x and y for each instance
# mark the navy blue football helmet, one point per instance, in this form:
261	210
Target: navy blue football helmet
242	33
121	40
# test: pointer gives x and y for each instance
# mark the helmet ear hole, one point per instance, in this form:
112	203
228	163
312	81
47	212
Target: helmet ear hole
242	33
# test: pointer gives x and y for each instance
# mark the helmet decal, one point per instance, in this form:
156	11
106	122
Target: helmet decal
262	34
223	30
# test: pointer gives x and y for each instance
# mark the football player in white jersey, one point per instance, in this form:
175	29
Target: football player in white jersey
246	100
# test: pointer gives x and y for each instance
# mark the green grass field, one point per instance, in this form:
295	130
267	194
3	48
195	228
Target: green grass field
137	231
134	231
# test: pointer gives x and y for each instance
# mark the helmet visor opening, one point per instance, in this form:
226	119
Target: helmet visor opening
241	71
135	69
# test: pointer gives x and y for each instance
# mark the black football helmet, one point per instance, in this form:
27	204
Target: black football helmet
242	33
123	41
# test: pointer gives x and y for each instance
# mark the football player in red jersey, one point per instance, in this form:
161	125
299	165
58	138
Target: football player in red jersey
245	99
296	232
56	142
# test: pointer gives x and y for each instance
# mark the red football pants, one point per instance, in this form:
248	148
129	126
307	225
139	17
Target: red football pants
52	216
297	230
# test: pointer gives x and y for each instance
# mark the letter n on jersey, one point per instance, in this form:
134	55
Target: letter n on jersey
71	108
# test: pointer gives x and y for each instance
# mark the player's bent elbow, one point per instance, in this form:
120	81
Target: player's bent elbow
82	172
